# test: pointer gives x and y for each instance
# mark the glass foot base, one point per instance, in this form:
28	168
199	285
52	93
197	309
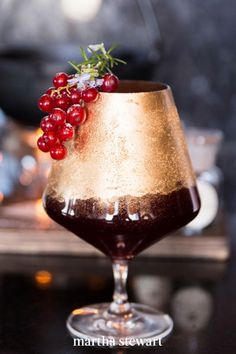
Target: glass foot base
142	325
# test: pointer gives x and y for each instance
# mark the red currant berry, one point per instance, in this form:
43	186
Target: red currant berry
42	145
62	102
58	116
45	103
73	89
76	115
50	138
90	95
64	93
47	124
65	132
75	96
58	152
60	80
110	83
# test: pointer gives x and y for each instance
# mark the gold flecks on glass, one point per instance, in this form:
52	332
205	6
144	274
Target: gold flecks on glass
131	145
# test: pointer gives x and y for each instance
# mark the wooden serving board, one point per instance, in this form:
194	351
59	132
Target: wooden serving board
26	229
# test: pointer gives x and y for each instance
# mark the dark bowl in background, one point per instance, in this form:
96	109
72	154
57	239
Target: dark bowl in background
26	73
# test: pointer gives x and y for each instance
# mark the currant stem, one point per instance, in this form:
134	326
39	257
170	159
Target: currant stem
120	304
58	90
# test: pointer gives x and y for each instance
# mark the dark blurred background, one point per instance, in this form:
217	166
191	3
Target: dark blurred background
189	44
186	43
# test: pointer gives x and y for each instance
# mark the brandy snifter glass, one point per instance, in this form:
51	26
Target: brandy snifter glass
125	183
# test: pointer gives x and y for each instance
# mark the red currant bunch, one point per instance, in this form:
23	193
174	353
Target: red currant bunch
65	111
65	102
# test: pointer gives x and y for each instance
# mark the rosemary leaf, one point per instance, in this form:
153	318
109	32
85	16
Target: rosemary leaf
83	53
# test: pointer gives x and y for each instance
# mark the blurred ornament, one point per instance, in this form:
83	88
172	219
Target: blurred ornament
153	290
204	145
192	308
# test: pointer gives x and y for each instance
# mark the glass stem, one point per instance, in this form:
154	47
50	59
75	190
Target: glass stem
120	304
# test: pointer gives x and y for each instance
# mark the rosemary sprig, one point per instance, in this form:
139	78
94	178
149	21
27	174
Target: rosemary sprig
100	61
